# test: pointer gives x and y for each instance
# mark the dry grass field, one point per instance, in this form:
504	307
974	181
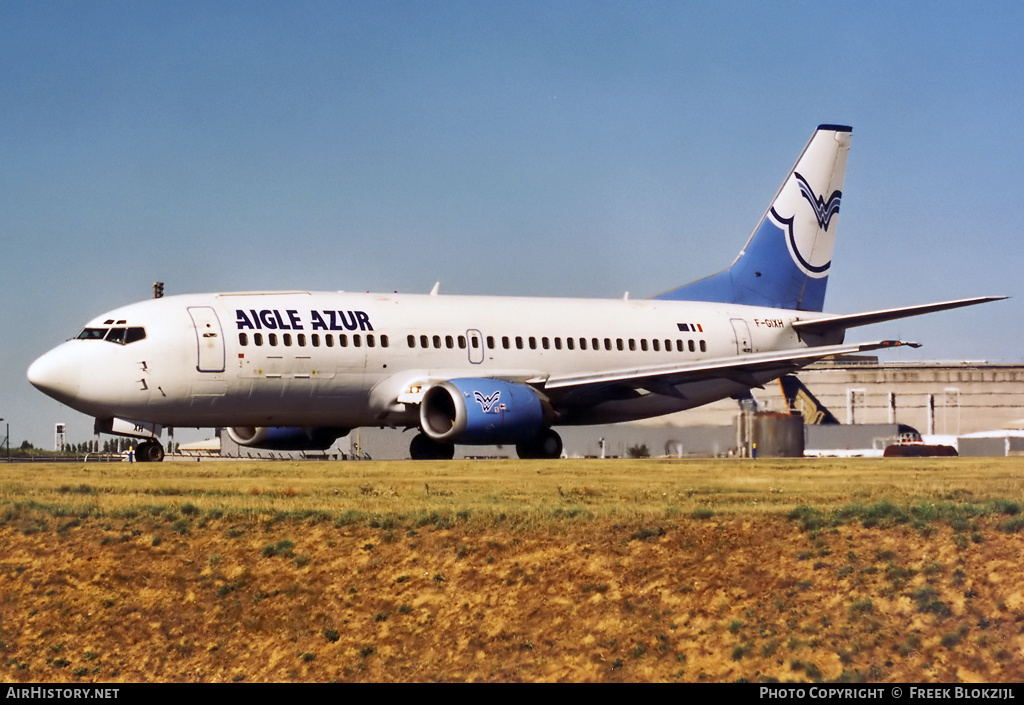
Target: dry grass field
648	570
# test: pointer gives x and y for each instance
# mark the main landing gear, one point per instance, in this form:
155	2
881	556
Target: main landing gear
423	447
149	452
546	445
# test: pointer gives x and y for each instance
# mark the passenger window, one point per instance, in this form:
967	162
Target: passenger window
257	338
383	341
703	346
370	342
411	340
316	340
302	340
243	339
287	339
329	339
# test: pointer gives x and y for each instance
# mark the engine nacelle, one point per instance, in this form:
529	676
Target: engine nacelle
285	437
481	411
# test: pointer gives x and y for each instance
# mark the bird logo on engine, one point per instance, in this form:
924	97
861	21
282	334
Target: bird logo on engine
487	403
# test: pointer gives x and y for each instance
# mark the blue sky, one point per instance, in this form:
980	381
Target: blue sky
552	148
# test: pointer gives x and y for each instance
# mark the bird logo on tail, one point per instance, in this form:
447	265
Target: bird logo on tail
823	210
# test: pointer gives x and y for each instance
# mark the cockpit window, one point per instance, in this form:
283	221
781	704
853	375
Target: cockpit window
119	335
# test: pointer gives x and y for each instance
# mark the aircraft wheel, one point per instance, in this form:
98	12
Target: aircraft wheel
149	452
423	447
546	446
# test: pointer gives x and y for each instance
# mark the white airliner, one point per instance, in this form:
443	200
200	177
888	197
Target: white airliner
298	370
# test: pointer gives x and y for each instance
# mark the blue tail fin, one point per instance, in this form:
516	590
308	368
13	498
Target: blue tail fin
785	262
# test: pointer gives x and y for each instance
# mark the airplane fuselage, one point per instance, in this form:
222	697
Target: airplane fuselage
343	359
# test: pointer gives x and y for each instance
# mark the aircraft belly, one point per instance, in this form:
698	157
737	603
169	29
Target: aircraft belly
293	400
298	386
225	399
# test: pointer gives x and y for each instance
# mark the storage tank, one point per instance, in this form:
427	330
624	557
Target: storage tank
778	435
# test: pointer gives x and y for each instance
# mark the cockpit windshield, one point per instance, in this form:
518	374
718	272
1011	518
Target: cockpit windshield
122	335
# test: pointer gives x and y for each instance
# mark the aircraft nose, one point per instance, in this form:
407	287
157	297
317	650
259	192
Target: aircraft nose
57	374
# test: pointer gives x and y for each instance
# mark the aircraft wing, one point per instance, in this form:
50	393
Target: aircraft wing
660	378
824	326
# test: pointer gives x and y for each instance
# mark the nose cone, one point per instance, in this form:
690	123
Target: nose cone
57	374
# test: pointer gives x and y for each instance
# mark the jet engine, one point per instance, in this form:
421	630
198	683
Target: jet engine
482	411
285	437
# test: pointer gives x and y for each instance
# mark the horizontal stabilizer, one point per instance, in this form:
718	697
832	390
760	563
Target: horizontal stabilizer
824	326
